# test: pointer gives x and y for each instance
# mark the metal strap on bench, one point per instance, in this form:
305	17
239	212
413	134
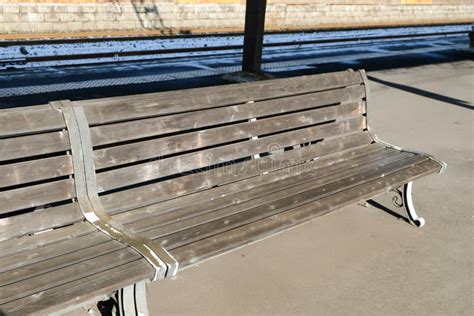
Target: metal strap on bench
88	198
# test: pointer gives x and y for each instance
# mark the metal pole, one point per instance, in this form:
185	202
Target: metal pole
471	37
253	37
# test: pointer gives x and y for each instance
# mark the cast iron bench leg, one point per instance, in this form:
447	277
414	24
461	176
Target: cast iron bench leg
409	207
407	202
132	300
128	301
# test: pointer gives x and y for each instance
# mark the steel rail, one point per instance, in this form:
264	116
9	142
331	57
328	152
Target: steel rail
221	48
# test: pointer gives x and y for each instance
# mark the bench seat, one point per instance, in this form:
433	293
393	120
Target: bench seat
198	185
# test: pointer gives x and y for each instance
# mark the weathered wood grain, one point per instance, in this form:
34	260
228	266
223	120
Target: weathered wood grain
43	282
235	194
120	132
35	170
76	257
178	187
26	243
127	108
188	230
51	251
74	292
36	195
115	156
39	220
33	145
207	248
244	183
155	169
30	120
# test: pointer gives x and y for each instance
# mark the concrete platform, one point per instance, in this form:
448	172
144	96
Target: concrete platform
364	261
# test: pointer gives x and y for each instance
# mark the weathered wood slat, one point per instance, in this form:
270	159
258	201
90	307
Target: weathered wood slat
158	192
115	156
120	132
127	108
152	170
33	145
46	265
36	195
43	265
43	282
41	255
24	121
203	249
26	243
51	251
236	194
68	214
39	220
30	108
35	170
206	248
186	231
74	292
58	262
246	183
274	84
105	282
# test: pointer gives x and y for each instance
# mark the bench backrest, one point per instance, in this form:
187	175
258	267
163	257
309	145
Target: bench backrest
36	172
153	147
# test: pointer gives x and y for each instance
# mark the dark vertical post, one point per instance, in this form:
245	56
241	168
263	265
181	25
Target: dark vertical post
253	37
471	37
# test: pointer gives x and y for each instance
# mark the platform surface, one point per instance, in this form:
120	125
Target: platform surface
363	261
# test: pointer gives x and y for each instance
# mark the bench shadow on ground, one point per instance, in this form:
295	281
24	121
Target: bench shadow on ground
387	210
424	93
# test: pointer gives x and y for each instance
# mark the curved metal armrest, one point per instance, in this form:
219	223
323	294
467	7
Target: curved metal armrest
372	134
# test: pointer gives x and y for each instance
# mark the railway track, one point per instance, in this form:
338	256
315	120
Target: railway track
232	47
91	39
100	68
36	53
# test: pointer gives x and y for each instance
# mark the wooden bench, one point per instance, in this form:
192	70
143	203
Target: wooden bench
102	194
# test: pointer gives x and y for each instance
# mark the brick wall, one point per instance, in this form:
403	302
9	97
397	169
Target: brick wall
172	16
